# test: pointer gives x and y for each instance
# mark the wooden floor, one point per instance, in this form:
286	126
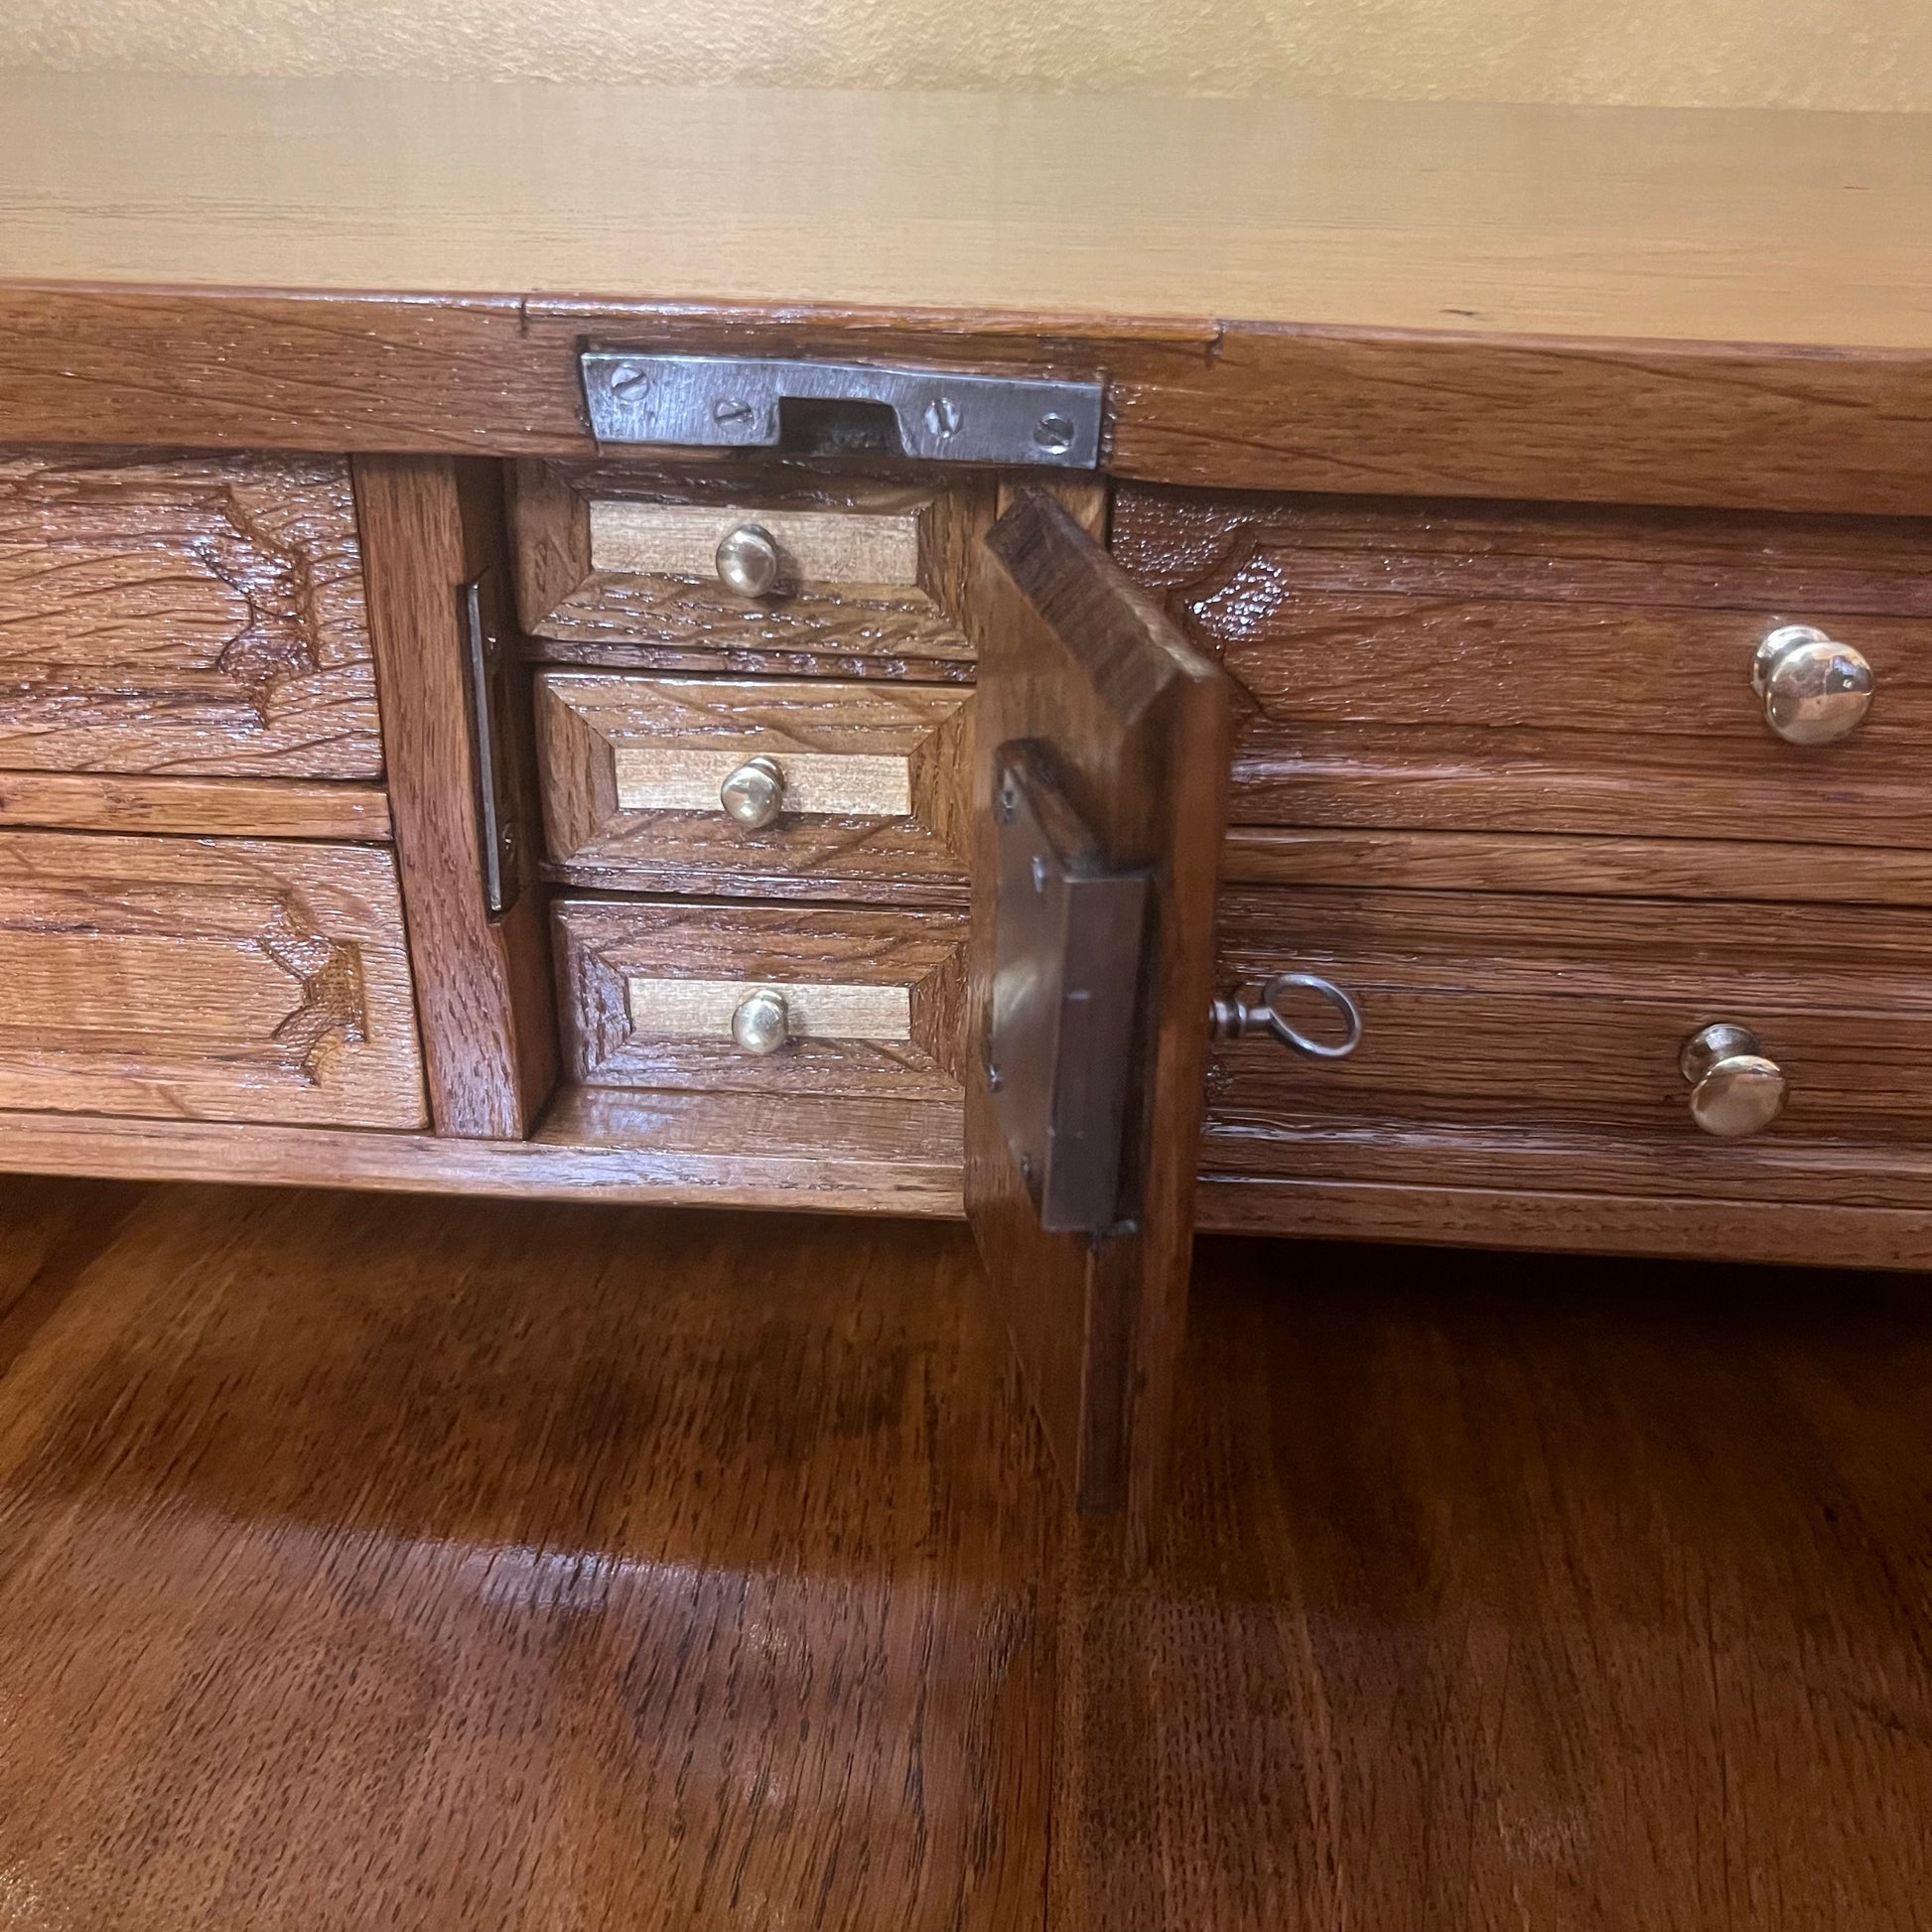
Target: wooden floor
444	1566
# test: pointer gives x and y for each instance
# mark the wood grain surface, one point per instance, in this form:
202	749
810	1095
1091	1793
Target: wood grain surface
1076	660
185	615
377	1564
263	808
206	979
606	948
608	743
589	608
1514	1593
1515	668
833	1155
1633	867
448	1565
1607	305
1665	225
490	1037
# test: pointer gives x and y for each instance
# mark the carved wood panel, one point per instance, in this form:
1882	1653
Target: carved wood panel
186	615
209	979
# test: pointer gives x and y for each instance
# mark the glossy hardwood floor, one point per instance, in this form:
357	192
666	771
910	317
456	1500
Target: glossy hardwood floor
369	1563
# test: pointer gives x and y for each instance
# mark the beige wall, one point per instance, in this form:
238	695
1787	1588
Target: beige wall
1782	52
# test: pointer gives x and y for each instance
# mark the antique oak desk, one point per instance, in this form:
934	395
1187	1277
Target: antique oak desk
826	650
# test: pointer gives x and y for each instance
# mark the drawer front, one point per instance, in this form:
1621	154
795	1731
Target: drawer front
651	988
1545	669
761	569
189	616
852	786
206	979
1552	1027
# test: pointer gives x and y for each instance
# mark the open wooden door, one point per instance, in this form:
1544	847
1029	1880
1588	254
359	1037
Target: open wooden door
1099	793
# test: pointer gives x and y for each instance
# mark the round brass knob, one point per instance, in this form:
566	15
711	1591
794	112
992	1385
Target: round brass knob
1813	688
749	561
760	1026
753	794
1736	1089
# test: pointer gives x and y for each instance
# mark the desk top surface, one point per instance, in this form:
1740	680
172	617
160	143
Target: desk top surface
1771	227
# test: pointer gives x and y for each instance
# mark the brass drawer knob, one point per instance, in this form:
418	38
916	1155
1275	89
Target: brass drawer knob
749	561
754	794
762	1024
1735	1088
1814	689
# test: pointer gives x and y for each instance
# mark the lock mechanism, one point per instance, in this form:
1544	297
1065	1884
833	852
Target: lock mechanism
743	402
1068	942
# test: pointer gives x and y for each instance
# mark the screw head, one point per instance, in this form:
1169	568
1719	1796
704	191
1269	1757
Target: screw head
1054	432
731	409
942	417
1039	873
628	379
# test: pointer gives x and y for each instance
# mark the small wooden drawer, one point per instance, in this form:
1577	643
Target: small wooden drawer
866	782
651	989
1476	668
1534	1041
191	616
213	978
619	563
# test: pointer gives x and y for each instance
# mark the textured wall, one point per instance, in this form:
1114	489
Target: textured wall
1782	52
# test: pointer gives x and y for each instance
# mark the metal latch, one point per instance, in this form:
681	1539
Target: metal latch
1068	938
489	665
735	402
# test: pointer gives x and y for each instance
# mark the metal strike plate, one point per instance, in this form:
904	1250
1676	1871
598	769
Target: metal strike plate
488	666
1068	936
731	402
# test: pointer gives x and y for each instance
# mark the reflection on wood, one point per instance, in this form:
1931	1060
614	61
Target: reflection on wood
460	1567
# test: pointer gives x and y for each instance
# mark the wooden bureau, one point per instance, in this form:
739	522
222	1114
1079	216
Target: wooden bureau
1496	597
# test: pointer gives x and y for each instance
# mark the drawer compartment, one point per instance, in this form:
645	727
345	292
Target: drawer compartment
855	786
623	564
1546	1030
872	1000
1535	668
206	979
191	616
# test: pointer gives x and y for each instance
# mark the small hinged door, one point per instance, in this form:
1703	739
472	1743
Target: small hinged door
1099	792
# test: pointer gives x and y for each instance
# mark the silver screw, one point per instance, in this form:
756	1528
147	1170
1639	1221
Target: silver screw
1039	872
942	417
1054	432
628	379
732	409
991	1078
1026	1169
1008	801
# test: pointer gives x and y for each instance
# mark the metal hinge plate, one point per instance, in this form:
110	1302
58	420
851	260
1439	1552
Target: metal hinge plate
488	666
734	402
1069	940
